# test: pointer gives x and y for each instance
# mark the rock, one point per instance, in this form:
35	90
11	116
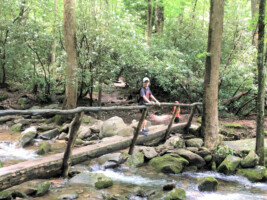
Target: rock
193	158
113	197
149	152
111	127
6	119
169	186
191	168
169	164
18	194
30	191
44	148
64	128
48	135
16	127
94	179
213	166
27	136
97	126
44	128
78	141
84	132
68	196
220	155
208	184
22	121
6	195
254	174
203	153
229	165
195	129
175	142
24	103
243	145
136	159
141	193
208	158
126	131
62	136
194	142
115	157
192	149
51	106
42	188
87	119
177	194
251	160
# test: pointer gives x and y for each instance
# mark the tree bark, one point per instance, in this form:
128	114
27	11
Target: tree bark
211	79
261	85
74	127
254	11
71	60
149	22
159	17
54	45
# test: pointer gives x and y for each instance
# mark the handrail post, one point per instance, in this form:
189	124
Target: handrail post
171	123
74	127
137	131
186	129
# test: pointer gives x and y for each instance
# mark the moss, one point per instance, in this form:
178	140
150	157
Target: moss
208	158
24	103
265	133
169	164
105	183
44	148
213	166
136	160
177	193
45	128
16	127
1	164
79	141
252	174
59	120
229	165
42	188
3	97
6	195
208	184
199	119
237	126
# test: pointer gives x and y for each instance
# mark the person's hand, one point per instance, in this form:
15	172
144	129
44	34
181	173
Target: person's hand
152	102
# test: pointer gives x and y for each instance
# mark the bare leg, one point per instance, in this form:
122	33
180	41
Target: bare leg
143	124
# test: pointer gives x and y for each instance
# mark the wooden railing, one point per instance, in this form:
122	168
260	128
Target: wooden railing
79	112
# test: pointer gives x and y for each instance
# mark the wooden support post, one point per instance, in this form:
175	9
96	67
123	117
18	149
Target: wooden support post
193	109
74	127
137	131
171	123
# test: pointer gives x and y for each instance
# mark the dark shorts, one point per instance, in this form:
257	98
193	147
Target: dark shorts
141	111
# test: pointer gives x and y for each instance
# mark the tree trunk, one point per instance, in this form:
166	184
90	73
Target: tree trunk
254	11
71	60
149	22
54	45
211	79
159	17
99	114
181	15
261	85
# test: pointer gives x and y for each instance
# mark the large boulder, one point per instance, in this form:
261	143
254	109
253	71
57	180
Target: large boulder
84	132
16	127
229	165
149	152
112	126
126	131
251	160
94	179
87	119
256	174
220	154
27	136
193	158
175	142
44	148
6	195
42	188
116	157
137	159
194	142
169	163
208	184
97	126
177	194
48	135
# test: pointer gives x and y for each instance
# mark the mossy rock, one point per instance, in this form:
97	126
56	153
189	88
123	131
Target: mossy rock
169	163
60	119
137	159
199	119
176	194
78	141
3	97
44	148
16	127
18	194
6	195
45	128
208	184
229	165
42	188
103	182
68	196
251	160
254	174
213	166
237	126
24	103
208	158
265	133
113	197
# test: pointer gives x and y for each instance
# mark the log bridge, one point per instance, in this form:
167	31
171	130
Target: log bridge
59	164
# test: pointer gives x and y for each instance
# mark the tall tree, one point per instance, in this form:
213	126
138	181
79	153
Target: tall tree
254	13
211	79
159	17
261	85
54	45
71	59
149	22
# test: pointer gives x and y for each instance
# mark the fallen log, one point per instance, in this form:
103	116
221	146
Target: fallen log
52	166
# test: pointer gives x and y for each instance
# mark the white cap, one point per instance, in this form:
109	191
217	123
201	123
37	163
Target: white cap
146	79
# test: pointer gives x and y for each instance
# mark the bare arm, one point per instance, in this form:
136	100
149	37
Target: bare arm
146	99
154	99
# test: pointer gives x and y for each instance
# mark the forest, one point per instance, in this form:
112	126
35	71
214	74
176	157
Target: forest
70	78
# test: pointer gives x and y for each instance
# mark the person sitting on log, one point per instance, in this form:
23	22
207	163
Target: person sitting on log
146	97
